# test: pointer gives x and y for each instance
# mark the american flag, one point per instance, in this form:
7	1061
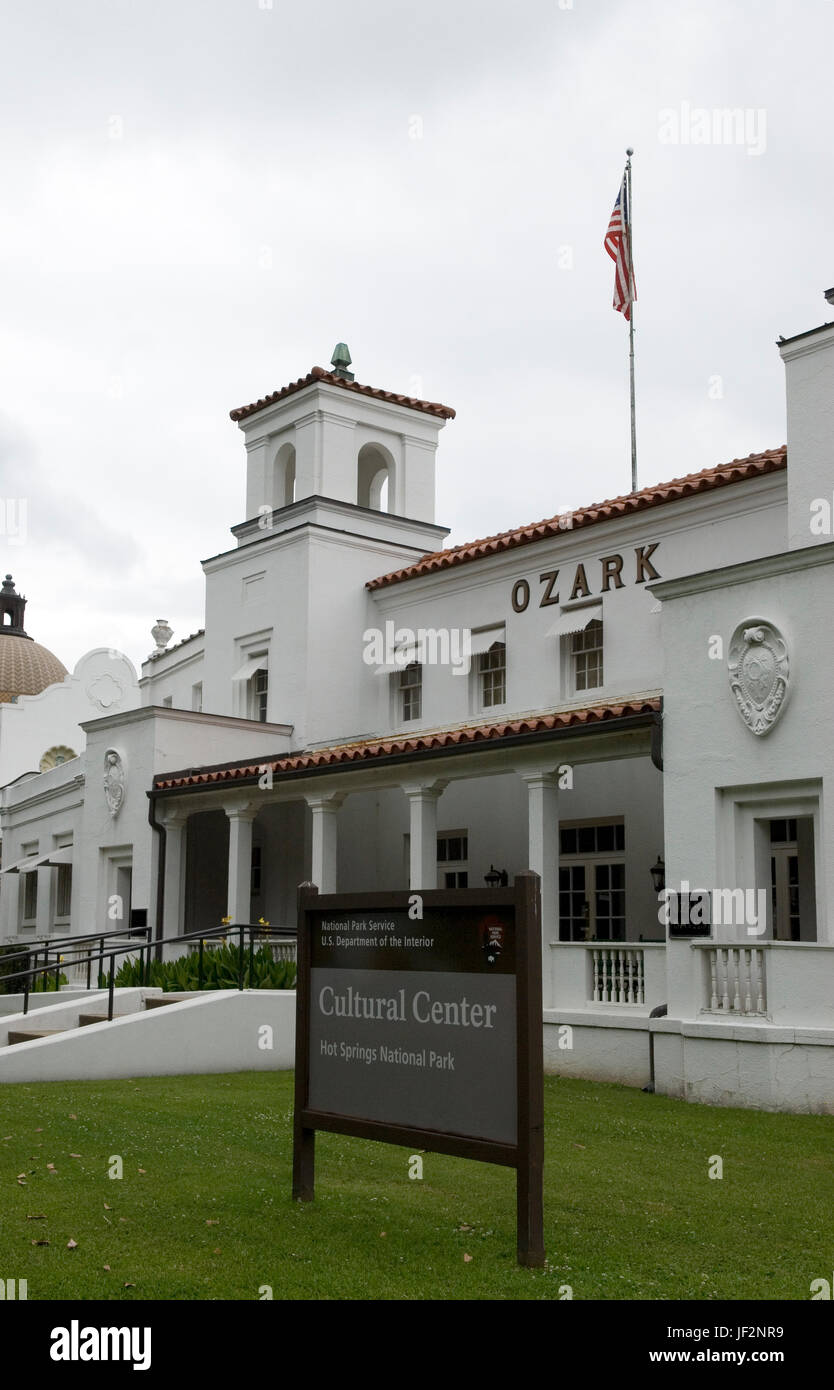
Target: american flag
618	246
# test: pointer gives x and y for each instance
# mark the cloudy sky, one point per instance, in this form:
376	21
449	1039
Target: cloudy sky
200	197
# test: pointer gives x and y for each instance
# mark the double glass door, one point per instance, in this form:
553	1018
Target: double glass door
592	883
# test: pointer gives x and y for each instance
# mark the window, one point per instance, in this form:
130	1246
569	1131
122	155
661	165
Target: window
197	697
259	694
592	882
492	673
63	890
586	656
255	883
792	877
30	896
452	856
411	689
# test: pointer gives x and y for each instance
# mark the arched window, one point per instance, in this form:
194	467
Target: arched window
283	483
53	757
374	477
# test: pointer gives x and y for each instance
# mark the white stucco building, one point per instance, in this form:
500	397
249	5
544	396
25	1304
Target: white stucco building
648	689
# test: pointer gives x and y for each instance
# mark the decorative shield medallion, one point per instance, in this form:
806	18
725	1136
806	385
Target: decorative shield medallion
114	781
759	673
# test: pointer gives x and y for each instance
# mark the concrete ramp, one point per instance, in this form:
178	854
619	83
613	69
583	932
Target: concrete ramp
214	1031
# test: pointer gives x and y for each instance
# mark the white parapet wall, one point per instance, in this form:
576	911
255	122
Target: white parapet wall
62	1010
755	1066
13	1003
218	1031
597	1047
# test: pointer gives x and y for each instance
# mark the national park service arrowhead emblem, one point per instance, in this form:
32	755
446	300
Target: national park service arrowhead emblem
759	673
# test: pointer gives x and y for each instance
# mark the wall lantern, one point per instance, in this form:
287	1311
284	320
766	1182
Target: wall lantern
658	873
496	878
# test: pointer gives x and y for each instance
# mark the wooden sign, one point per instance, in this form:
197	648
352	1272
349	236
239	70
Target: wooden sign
419	1022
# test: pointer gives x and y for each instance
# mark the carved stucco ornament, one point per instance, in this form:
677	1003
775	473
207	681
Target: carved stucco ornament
759	673
114	781
105	691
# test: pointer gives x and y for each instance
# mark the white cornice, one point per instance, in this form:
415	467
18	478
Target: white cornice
763	567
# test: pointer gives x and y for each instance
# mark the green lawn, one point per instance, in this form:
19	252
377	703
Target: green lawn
204	1210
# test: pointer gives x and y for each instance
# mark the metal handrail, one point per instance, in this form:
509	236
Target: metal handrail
144	951
53	943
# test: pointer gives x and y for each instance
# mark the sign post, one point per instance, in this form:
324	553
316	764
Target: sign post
418	1022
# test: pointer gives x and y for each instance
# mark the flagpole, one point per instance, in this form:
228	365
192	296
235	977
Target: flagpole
629	153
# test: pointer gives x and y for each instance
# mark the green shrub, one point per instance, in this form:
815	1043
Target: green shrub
221	966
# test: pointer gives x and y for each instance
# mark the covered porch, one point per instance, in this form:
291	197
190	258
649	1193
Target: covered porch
576	796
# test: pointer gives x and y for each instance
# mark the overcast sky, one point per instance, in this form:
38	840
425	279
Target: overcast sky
201	197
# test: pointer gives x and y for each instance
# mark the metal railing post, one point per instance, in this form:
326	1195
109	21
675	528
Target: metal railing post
240	961
111	988
200	966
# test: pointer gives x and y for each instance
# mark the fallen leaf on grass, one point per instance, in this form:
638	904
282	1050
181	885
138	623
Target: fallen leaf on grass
464	1228
41	1216
109	1222
75	1155
143	1170
73	1117
39	1130
107	1267
579	1146
216	1250
128	1286
123	1218
72	1244
467	1259
7	1136
382	1233
40	1242
107	1206
213	1223
51	1167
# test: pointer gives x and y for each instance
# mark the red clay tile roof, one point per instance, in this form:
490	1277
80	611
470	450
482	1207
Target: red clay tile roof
754	466
367	751
330	379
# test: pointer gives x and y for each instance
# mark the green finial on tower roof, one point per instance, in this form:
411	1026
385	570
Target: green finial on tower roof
340	361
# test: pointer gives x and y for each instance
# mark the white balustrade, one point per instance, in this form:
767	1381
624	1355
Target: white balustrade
618	975
736	980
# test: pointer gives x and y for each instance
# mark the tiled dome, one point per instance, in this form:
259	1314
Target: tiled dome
26	668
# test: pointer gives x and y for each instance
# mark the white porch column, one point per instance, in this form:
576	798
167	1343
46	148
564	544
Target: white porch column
238	901
543	846
173	914
422	801
325	840
43	918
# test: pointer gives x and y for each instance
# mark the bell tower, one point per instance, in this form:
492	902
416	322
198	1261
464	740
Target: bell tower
328	437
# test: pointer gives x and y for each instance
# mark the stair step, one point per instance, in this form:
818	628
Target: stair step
30	1036
84	1019
156	1003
